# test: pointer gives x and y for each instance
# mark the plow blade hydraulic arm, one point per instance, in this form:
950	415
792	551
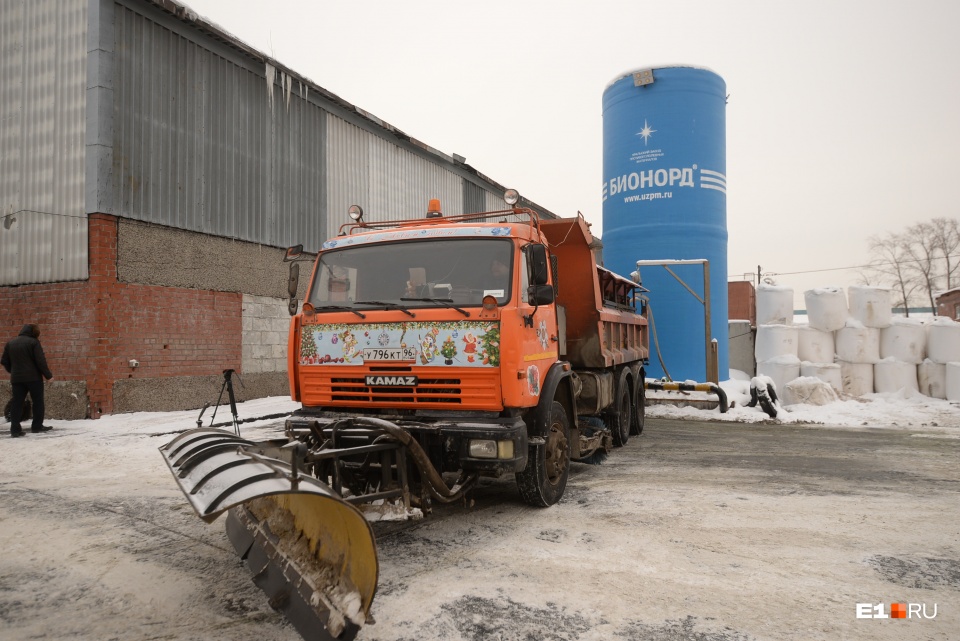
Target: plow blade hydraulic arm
311	552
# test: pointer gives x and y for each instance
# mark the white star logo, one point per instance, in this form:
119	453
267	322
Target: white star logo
646	132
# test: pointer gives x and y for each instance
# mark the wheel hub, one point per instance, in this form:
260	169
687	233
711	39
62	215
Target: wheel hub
555	455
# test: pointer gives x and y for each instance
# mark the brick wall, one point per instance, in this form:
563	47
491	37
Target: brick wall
742	301
92	329
948	304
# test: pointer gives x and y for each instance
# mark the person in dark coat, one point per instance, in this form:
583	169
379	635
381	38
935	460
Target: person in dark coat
23	357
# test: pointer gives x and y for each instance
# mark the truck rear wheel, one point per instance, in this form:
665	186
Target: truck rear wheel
620	419
544	479
639	409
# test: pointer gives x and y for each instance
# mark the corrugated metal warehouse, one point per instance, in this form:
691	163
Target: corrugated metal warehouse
152	170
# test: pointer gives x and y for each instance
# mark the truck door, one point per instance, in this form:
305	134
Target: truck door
538	336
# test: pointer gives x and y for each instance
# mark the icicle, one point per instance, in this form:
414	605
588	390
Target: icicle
271	74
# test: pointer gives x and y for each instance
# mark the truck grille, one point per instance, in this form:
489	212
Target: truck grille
346	387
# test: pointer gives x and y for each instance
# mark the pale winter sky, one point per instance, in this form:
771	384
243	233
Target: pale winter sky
842	120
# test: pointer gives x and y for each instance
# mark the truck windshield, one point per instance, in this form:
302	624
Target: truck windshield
427	273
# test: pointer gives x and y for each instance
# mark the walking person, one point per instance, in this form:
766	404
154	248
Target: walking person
23	357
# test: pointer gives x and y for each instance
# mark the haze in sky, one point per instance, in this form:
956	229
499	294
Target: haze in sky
842	117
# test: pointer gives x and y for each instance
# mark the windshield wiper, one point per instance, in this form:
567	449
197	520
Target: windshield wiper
387	305
446	302
338	308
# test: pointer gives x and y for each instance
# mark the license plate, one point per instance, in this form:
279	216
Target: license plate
389	354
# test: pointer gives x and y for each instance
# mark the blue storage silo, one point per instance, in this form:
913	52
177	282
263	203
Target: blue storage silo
665	198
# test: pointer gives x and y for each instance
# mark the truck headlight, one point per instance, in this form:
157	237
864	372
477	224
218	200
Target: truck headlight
491	449
483	449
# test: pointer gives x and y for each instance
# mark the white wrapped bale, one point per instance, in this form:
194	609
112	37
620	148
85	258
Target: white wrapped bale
952	380
943	340
826	308
857	378
905	340
891	375
814	345
829	373
774	305
932	378
858	344
781	370
870	305
809	391
774	341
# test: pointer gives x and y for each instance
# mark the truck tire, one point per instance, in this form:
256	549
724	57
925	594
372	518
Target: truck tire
639	409
543	481
620	419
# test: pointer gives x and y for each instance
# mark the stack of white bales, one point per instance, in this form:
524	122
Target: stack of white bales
940	372
858	337
826	314
856	348
777	341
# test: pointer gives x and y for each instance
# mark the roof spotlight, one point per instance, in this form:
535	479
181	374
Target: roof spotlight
511	196
355	212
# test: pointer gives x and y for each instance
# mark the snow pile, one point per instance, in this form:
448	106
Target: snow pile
830	373
903	409
809	390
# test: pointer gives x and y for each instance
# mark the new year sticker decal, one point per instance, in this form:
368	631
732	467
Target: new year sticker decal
533	380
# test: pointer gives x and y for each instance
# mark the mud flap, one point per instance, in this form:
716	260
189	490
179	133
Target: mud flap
312	553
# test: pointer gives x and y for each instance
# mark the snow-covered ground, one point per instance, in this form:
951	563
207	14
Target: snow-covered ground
903	409
98	543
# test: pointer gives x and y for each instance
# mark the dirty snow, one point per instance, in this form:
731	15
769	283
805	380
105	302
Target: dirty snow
95	529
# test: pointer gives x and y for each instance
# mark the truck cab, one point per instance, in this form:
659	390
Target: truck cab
450	327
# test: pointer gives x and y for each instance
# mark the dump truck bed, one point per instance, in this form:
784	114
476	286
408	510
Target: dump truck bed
603	328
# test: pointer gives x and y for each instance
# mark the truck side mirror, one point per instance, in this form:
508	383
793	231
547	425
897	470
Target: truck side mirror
293	280
537	263
293	253
540	294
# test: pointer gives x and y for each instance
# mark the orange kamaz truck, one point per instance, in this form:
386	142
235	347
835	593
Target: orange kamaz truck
429	353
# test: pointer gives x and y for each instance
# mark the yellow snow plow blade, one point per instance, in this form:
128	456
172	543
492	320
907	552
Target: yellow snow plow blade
311	552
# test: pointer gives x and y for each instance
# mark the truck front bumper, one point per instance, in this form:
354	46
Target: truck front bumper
490	446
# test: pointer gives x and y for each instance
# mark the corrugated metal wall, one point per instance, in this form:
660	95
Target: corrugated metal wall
209	143
387	181
43	235
180	125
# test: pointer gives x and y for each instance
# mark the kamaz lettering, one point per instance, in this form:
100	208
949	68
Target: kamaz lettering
391	381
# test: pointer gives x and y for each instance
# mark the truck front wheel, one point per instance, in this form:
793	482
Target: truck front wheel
542	482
